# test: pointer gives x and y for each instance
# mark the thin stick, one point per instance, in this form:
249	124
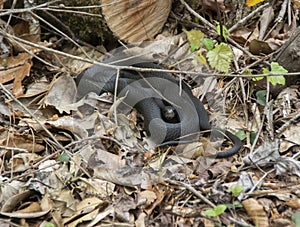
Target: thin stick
10	11
14	38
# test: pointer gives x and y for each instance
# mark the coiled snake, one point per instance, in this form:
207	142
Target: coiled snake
154	95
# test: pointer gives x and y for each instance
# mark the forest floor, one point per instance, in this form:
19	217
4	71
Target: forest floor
70	162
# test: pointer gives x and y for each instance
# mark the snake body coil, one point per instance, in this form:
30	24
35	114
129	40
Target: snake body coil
151	93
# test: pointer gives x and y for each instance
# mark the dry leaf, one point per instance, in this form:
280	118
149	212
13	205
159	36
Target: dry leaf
88	217
27	29
258	47
140	221
23	161
296	4
101	215
33	211
244	35
87	207
62	94
295	202
287	166
24	71
23	142
96	187
38	87
264	154
256	212
148	195
32	207
71	124
15	68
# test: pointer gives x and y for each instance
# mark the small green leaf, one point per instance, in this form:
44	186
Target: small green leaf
238	205
265	71
236	191
261	97
64	157
208	43
275	69
235	205
241	134
257	78
229	205
278	69
220	57
252	136
224	30
276	80
216	211
195	39
220	209
210	212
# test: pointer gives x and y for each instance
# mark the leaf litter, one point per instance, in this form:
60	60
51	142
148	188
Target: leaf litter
110	176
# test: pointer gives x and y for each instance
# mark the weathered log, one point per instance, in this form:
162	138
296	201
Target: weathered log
136	20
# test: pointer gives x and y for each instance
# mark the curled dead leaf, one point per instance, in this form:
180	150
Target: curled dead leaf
33	210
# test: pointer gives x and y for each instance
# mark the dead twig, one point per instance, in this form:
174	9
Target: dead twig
24	10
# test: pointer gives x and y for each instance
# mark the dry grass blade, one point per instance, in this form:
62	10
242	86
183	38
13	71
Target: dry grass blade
136	20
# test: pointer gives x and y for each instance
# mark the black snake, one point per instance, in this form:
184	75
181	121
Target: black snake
154	95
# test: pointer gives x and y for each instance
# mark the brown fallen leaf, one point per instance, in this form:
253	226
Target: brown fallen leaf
15	68
295	202
296	4
22	73
22	161
148	196
32	207
256	212
62	93
23	142
258	47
